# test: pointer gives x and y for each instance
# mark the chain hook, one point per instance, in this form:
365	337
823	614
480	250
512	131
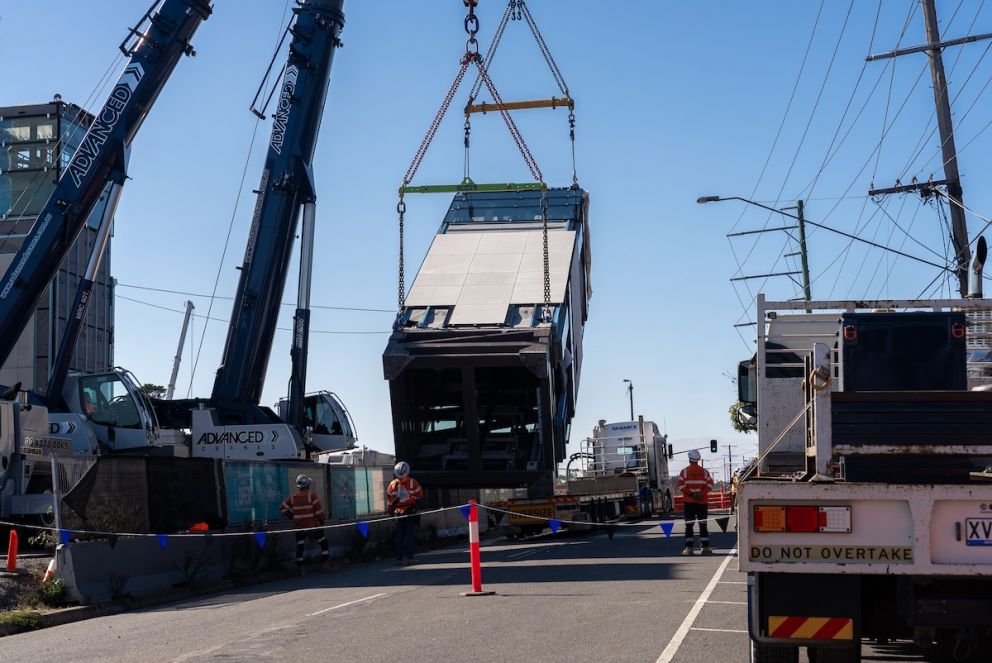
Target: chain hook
471	29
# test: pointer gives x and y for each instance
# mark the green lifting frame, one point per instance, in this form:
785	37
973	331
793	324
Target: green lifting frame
468	185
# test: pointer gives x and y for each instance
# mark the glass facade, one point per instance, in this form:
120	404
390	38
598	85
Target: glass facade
36	143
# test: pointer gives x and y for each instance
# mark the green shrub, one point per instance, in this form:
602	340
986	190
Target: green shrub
52	593
22	619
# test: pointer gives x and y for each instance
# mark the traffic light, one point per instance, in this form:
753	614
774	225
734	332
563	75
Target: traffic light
713	448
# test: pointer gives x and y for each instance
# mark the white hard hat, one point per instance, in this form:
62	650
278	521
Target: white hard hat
401	469
694	456
303	481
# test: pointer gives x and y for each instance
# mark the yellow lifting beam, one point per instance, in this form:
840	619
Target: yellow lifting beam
553	102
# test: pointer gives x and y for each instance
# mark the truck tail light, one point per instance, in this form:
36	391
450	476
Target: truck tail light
769	519
801	518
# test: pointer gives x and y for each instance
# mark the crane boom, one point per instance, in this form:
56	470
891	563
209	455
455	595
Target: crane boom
99	159
286	185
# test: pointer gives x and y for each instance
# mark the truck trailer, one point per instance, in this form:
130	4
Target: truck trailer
869	512
613	466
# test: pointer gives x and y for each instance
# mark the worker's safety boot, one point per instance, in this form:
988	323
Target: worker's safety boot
687	550
707	551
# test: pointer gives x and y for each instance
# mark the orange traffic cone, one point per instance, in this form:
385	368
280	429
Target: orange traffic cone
50	573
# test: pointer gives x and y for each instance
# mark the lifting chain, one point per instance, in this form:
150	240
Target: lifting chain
546	313
401	284
571	138
516	10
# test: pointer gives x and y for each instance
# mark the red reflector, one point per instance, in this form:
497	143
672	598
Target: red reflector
802	519
850	333
958	331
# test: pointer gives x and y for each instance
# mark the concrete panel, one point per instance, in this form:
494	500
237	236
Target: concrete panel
503	243
433	296
487	263
455	244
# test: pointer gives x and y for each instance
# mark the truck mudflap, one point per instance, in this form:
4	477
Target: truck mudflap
825	613
865	528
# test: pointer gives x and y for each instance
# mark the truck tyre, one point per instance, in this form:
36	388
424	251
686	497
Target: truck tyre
834	655
773	653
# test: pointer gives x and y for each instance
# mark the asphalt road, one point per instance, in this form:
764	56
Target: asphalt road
569	598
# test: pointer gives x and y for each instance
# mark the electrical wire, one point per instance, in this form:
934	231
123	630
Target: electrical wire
209	319
785	115
290	304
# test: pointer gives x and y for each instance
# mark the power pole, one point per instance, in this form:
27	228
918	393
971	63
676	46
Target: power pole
959	229
803	255
952	179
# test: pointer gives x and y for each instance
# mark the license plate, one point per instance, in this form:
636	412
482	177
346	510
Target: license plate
521	512
978	531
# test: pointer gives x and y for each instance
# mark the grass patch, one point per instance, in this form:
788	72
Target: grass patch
52	593
23	620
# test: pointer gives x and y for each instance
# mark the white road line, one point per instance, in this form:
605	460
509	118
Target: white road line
673	646
525	553
717	630
729	602
345	605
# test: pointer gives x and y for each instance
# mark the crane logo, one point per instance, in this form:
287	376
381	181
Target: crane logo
103	126
281	116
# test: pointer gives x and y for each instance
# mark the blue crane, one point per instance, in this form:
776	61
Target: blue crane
98	167
99	161
286	188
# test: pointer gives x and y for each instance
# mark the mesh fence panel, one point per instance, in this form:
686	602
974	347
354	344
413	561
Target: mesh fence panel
111	496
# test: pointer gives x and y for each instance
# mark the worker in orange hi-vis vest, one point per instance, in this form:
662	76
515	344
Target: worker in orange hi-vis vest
695	484
402	496
305	509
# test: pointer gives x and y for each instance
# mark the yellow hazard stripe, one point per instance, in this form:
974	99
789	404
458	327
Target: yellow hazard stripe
811	628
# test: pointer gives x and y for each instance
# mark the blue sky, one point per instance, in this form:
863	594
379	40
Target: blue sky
674	101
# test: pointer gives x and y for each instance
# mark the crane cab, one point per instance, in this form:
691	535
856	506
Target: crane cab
329	421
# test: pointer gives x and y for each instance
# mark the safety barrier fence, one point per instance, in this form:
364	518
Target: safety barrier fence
716	500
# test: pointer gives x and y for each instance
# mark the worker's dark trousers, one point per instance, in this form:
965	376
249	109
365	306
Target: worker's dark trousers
403	538
301	542
695	512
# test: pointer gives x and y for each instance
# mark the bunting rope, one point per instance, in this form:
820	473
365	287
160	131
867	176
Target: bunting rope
65	534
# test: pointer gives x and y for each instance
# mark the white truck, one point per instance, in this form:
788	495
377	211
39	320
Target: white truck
614	465
869	514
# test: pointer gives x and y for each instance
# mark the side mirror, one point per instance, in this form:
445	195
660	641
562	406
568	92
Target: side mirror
747	387
671	452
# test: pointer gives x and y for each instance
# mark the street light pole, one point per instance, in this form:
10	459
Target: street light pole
800	224
630	392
